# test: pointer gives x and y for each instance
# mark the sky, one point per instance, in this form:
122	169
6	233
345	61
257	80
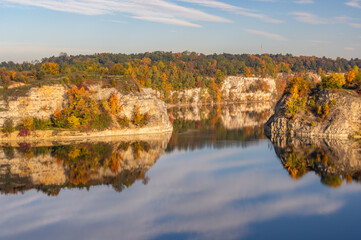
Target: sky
34	29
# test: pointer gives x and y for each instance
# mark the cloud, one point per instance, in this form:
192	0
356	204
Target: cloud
309	18
355	25
234	9
349	48
156	11
172	21
305	2
267	34
319	42
354	3
266	0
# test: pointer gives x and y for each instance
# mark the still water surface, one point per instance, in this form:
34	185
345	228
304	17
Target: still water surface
216	177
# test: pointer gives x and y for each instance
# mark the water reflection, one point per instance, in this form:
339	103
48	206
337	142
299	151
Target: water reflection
334	160
51	167
217	191
218	126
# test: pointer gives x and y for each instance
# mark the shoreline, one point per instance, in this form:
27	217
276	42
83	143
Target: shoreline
69	135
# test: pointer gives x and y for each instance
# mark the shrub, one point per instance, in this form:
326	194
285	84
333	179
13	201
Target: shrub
58	119
73	122
27	123
334	81
40	124
124	121
102	121
8	126
312	103
137	117
294	105
24	132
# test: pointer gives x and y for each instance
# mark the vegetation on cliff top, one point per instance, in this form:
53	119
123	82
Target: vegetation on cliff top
164	71
299	90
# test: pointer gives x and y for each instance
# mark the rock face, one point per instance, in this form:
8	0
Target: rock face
234	89
50	168
242	89
332	159
343	120
38	102
41	102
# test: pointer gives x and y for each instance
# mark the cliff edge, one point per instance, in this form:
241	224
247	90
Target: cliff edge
328	113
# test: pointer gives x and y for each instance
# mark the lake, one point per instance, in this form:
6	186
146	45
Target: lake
217	176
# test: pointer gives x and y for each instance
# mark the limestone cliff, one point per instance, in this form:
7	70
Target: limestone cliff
41	102
49	168
234	89
343	118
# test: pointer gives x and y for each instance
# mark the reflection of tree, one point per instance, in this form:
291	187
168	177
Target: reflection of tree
333	160
296	166
119	164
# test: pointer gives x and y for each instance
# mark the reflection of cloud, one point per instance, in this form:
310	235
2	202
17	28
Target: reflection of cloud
208	193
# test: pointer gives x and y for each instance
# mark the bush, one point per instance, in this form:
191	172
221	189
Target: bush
312	103
334	81
40	124
24	132
124	121
102	121
137	117
27	123
8	126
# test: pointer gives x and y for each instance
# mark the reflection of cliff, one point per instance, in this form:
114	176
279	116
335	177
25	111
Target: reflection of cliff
50	168
218	126
333	160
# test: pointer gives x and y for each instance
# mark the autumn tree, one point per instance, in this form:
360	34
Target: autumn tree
50	68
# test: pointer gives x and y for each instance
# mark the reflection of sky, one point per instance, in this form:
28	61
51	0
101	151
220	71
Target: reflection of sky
206	194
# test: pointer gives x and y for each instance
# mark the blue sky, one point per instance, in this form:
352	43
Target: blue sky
33	29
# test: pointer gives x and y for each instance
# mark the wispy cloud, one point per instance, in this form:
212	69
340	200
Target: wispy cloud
117	21
156	11
319	41
354	3
305	2
309	18
355	25
267	34
173	21
266	0
349	48
234	9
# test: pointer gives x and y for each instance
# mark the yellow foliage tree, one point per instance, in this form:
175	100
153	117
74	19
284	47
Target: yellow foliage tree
50	68
114	105
350	77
